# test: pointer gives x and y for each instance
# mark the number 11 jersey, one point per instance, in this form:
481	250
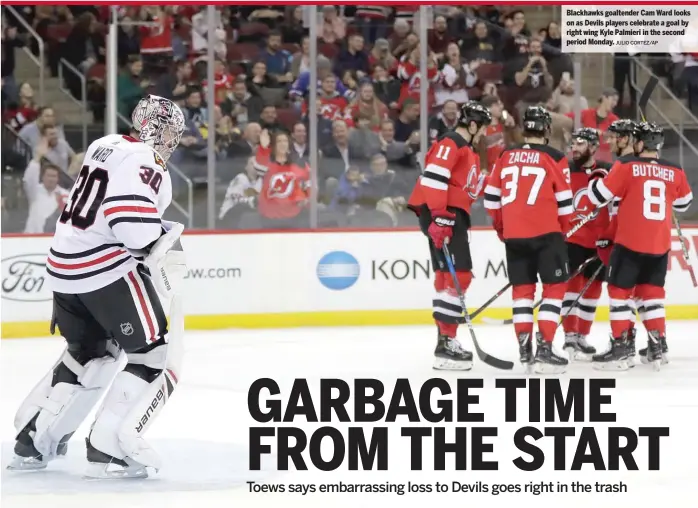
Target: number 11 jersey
113	212
648	188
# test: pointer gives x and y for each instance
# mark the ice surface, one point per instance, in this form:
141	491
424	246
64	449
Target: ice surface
202	435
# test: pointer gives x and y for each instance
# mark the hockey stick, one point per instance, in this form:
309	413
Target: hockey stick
685	250
510	321
581	293
484	357
645	96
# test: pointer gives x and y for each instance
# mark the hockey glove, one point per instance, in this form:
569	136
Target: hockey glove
441	227
603	250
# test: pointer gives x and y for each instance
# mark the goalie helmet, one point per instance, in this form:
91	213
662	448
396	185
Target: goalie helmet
159	123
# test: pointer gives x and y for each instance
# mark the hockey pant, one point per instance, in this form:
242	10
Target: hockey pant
548	314
447	309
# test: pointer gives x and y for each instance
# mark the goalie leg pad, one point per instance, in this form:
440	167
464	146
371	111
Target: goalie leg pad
135	399
57	406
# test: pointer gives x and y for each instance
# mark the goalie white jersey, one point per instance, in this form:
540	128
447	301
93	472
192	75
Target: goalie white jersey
114	210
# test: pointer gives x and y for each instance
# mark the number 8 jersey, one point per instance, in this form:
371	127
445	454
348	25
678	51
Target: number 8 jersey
114	211
648	188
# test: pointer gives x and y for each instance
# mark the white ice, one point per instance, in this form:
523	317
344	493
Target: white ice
203	433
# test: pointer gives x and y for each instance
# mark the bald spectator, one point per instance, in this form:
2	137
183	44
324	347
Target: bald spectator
250	141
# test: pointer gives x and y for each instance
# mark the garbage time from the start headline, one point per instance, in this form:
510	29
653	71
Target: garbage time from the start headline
546	414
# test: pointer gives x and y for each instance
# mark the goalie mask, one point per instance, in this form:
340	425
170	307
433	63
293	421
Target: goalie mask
159	123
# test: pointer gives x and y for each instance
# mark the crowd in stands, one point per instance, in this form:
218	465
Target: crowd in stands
368	97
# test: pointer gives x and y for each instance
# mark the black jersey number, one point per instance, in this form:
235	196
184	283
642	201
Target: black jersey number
87	196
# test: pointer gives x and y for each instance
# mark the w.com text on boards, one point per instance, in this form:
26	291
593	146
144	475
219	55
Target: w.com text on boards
436	401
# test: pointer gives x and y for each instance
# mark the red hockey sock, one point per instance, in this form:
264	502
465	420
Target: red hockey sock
651	310
523	296
621	313
549	313
586	308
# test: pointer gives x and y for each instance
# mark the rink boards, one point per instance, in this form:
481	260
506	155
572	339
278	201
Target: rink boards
307	278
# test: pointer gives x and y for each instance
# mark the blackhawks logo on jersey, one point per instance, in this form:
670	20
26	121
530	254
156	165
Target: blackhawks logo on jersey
159	161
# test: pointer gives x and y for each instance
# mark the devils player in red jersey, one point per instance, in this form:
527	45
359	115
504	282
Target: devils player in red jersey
529	198
442	198
582	245
621	137
648	188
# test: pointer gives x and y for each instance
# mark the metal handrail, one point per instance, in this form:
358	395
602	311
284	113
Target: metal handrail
83	87
679	130
667	90
40	61
189	211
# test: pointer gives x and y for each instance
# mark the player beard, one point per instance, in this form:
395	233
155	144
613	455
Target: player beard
581	158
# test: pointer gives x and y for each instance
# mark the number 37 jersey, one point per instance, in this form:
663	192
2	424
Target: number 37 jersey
528	193
114	210
648	189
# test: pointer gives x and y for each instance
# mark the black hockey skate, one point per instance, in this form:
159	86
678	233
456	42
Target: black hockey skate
103	466
577	347
526	350
547	361
450	355
26	456
615	358
656	351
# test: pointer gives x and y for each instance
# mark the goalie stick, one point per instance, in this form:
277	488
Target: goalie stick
482	355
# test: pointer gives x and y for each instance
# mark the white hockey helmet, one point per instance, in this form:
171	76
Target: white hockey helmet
138	114
159	123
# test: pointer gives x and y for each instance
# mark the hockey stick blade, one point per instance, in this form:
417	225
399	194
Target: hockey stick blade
482	355
645	96
492	321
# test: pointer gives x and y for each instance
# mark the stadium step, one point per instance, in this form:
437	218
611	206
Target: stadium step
67	110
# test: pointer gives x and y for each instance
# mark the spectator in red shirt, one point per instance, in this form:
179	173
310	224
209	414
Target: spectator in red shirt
24	112
331	104
600	118
283	202
222	84
156	40
408	73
